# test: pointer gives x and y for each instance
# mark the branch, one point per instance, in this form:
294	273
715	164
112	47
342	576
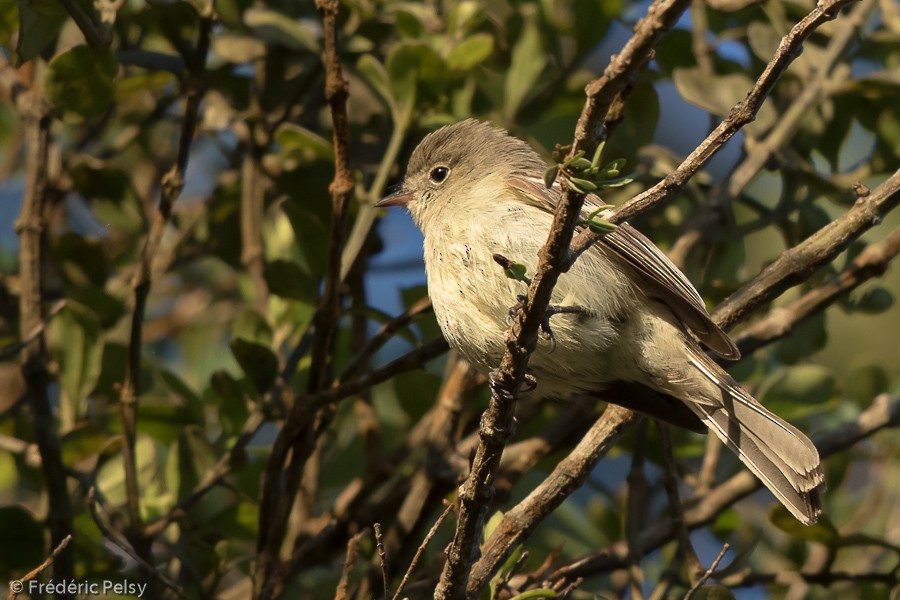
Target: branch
171	185
872	262
34	359
741	114
623	70
18	586
884	412
569	474
797	263
277	496
497	422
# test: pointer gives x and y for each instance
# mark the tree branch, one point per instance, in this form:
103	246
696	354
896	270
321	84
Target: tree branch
34	360
171	185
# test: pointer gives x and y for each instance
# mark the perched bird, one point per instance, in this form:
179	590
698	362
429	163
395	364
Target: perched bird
623	316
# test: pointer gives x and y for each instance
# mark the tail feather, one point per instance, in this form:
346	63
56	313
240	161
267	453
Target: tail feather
784	459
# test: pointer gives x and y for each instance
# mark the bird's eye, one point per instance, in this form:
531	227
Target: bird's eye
439	174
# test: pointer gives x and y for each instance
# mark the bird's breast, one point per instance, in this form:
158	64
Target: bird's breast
472	299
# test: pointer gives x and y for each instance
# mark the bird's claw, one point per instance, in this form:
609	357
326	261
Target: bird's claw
546	331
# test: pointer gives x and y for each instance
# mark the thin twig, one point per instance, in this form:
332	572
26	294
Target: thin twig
282	475
11	349
518	523
343	588
113	537
18	586
382	560
171	185
415	561
706	575
741	114
871	262
797	263
636	511
686	550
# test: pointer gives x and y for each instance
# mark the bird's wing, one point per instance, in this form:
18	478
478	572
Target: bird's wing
662	278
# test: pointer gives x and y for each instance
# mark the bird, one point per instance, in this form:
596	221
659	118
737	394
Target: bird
622	318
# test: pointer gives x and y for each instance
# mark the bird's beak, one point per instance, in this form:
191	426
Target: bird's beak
399	198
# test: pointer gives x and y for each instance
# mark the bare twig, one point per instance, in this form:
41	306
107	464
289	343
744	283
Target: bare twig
741	114
415	561
871	262
686	550
96	34
18	586
343	588
34	358
705	577
382	560
113	537
518	523
636	511
789	121
797	263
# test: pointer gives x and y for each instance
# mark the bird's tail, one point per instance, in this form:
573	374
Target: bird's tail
784	459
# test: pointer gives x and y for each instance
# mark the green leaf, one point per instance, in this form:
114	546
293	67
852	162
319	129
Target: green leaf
527	64
809	385
76	343
258	363
873	301
230	399
238	49
718	94
471	52
277	28
40	22
374	73
80	83
251	326
286	279
299	143
82	260
464	17
536	593
84	442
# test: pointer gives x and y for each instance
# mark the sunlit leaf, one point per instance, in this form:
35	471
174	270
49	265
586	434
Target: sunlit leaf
275	27
527	64
76	343
470	52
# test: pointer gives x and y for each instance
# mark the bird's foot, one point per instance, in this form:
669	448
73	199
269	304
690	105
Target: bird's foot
546	331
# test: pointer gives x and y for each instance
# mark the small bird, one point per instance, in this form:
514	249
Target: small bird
623	317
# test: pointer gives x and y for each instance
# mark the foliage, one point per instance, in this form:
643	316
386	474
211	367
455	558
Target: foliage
235	275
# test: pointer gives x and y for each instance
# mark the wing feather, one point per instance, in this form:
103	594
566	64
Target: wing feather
663	279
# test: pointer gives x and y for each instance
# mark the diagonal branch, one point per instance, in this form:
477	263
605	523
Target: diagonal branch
741	114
